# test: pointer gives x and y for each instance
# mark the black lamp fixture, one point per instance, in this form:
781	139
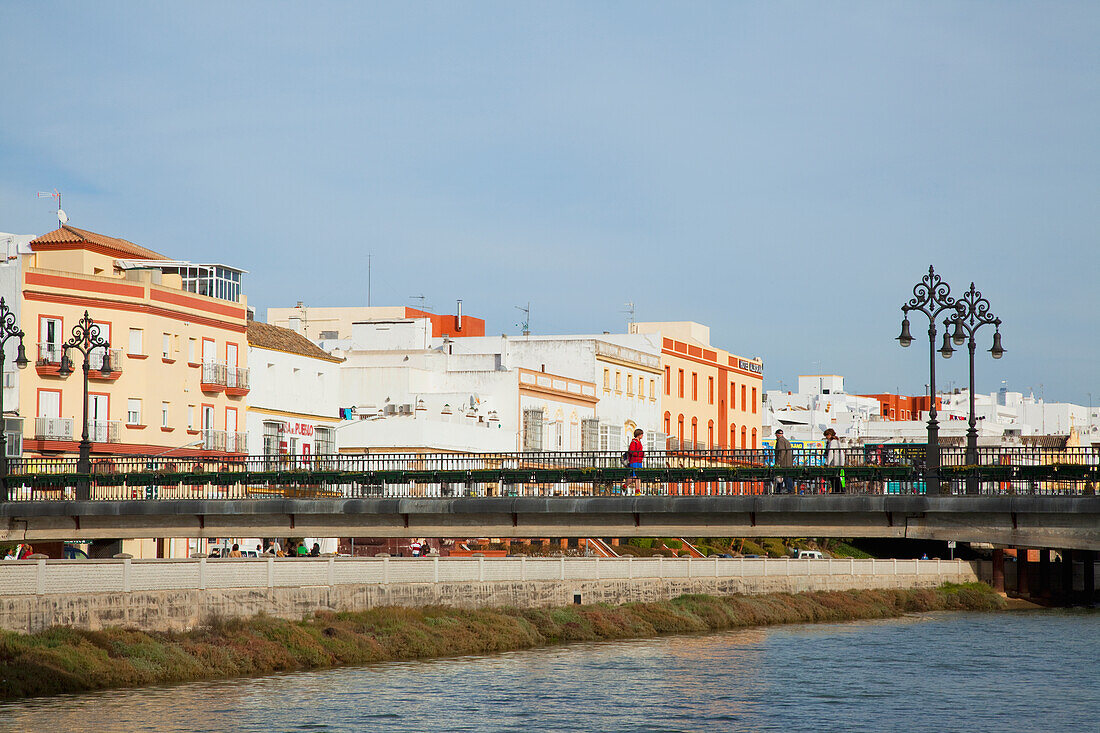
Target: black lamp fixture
996	352
905	339
947	349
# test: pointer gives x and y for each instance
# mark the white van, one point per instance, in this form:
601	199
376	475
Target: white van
808	555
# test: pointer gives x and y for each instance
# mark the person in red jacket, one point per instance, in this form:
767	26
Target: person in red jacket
636	459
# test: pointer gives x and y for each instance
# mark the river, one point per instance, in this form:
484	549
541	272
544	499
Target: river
1017	671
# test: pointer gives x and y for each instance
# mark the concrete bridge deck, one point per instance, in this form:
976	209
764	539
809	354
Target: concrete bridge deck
1017	521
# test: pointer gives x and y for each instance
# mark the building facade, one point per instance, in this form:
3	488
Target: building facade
328	324
712	397
293	406
176	379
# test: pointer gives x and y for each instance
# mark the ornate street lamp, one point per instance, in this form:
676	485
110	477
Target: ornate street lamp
971	313
931	296
86	339
8	329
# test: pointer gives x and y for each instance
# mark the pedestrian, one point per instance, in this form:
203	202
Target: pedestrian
834	459
303	551
315	551
635	460
414	546
236	551
784	458
259	550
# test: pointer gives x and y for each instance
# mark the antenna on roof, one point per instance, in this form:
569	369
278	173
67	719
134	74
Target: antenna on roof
526	325
423	306
630	312
62	217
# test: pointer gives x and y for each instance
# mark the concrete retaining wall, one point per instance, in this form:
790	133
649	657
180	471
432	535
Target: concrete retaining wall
181	594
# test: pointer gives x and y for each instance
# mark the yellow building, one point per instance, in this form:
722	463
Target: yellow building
711	397
177	377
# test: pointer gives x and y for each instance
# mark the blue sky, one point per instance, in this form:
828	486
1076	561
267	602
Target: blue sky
783	172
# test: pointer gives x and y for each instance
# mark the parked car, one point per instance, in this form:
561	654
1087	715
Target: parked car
807	555
72	552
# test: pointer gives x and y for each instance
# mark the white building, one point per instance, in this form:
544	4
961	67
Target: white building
12	247
293	407
489	394
819	403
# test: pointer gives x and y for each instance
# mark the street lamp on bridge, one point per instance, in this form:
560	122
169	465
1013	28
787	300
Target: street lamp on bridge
931	296
8	329
86	339
971	313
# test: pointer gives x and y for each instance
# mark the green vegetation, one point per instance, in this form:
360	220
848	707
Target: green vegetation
63	659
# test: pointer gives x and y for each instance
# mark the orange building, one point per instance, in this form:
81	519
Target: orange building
322	323
711	397
177	374
901	407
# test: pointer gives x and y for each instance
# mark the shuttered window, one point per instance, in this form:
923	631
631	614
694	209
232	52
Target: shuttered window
590	435
532	430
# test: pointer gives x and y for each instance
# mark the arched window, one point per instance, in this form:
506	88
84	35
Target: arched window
710	434
668	422
680	431
733	437
694	432
743	435
754	438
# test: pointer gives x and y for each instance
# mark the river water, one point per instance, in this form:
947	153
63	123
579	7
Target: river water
1020	671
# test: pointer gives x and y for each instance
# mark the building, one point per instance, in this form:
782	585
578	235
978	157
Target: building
413	392
819	403
176	377
328	324
293	406
711	397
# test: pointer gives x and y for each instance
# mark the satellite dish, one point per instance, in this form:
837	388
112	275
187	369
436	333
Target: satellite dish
62	216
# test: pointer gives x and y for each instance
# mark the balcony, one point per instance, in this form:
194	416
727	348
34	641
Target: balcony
95	365
103	431
213	377
53	428
213	440
49	359
236	381
236	442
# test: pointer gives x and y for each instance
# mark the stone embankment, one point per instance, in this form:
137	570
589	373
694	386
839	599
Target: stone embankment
178	595
64	659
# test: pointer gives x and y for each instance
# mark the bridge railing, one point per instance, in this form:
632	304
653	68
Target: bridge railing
872	469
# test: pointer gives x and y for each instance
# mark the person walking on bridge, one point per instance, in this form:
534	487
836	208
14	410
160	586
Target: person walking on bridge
834	459
784	458
635	460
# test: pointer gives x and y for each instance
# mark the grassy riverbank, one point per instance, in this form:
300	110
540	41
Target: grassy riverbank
66	660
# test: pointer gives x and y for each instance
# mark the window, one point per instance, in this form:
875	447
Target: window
744	402
680	431
629	385
754	401
133	410
618	383
695	386
743	434
668	380
271	438
694	433
668	423
13	431
590	434
653	390
190	417
192	347
532	430
733	395
164	414
136	345
710	390
733	436
324	441
606	380
213	281
166	346
710	434
754	438
680	383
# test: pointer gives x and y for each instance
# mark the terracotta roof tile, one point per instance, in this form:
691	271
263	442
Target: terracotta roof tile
277	338
71	235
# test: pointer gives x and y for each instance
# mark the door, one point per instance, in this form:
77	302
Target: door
231	365
49	336
209	355
98	425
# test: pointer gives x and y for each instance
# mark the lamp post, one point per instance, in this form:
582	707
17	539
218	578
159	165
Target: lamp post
931	296
971	313
86	339
8	329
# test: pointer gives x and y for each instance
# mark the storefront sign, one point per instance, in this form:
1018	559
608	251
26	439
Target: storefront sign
750	366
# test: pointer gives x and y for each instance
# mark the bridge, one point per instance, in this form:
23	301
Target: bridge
1012	496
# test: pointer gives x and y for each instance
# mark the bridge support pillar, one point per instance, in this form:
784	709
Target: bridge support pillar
1023	586
1089	561
1067	576
1044	573
999	570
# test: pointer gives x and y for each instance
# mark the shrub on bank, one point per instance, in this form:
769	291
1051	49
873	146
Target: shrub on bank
63	659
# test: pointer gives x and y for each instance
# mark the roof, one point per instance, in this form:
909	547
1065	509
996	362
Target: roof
69	237
265	336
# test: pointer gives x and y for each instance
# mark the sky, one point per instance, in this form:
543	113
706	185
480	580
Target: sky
784	173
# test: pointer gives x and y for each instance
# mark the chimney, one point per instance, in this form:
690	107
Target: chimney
458	316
